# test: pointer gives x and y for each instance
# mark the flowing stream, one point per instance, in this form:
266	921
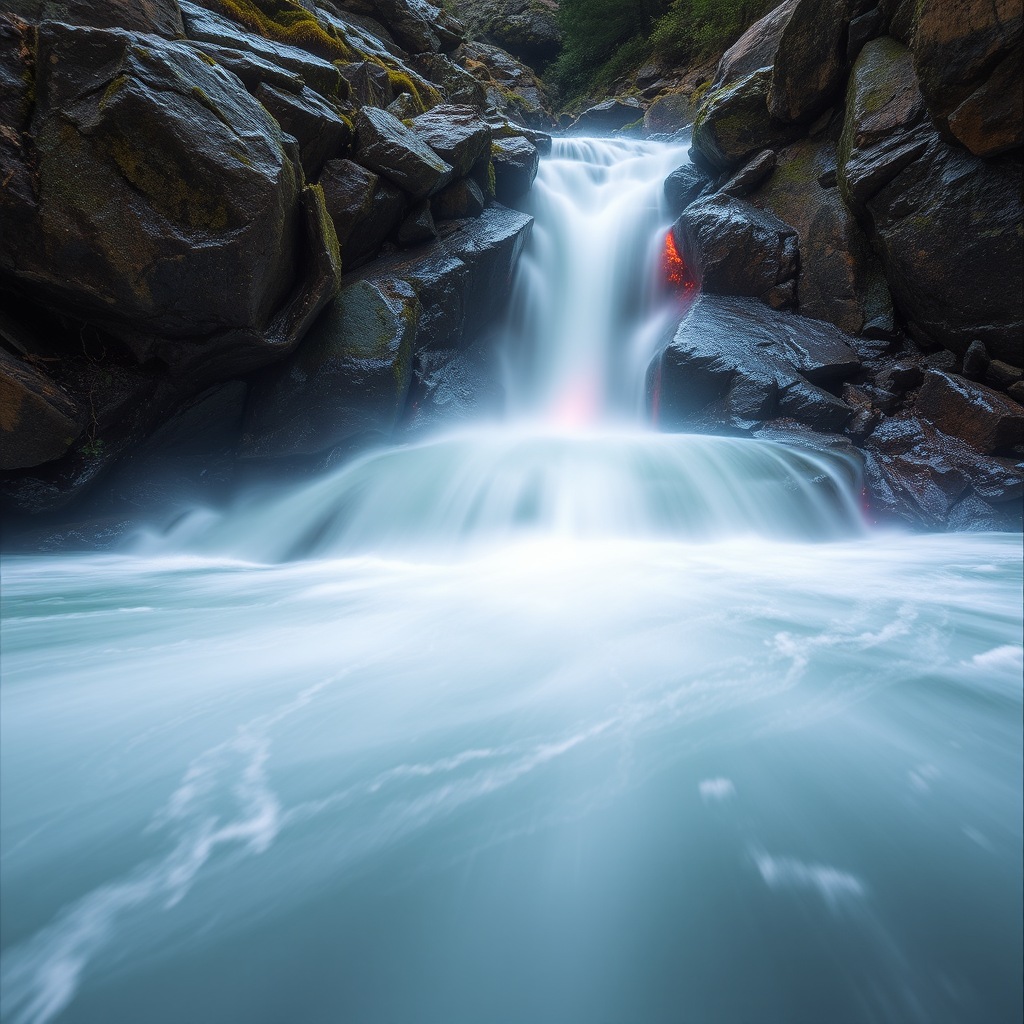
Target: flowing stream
554	721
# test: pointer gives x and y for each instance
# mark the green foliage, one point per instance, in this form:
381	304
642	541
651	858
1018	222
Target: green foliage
605	40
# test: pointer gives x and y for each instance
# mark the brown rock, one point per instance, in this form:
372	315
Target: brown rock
462	199
985	419
756	48
670	113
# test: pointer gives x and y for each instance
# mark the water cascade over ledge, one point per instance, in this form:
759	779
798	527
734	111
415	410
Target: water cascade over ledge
558	719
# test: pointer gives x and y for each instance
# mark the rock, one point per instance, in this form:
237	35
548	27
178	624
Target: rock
456	84
1002	375
670	112
900	377
733	122
840	279
39	421
157	17
252	69
862	30
516	161
976	361
944	222
386	146
981	417
318	74
349	381
750	175
364	208
463	199
736	364
756	48
178	185
920	476
527	30
369	84
1016	392
683	186
607	117
403	107
457	134
419	25
418	226
810	62
735	248
968	59
512	88
502	128
320	132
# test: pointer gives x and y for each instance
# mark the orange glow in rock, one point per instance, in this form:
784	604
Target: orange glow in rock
676	270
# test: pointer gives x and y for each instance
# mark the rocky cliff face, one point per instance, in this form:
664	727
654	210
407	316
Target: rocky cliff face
861	166
187	188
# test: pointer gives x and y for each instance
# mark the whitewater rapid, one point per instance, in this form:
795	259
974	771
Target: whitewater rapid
561	721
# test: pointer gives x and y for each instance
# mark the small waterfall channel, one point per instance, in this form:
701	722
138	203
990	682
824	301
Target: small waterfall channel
554	720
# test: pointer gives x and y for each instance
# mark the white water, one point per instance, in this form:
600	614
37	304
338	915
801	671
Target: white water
534	724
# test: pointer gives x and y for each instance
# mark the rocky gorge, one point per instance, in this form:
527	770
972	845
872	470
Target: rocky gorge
243	235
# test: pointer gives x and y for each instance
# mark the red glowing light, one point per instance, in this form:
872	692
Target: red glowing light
675	268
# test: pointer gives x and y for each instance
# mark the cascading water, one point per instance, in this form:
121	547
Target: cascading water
555	721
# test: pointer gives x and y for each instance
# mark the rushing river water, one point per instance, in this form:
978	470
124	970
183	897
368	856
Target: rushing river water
557	722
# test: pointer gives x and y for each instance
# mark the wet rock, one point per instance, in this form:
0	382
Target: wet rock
969	63
463	199
735	364
511	87
457	134
320	132
840	278
670	112
365	209
420	26
349	381
386	146
756	48
369	84
39	421
503	128
1016	392
921	476
735	248
750	175
733	122
178	185
456	84
976	361
1002	375
316	72
607	117
516	161
810	63
862	30
418	226
944	222
983	418
158	17
683	186
403	106
252	69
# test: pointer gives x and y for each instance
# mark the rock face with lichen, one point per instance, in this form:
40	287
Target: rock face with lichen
183	185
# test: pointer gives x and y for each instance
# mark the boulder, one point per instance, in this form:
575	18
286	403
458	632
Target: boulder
455	83
683	186
511	87
38	421
516	161
368	83
968	57
669	113
862	30
386	146
810	63
527	29
317	73
750	175
463	199
756	48
607	117
944	222
349	381
252	69
840	279
156	17
320	132
737	249
418	226
925	478
980	416
735	364
181	189
457	134
419	25
364	208
733	122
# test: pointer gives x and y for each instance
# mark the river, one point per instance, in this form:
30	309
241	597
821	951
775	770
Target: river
553	720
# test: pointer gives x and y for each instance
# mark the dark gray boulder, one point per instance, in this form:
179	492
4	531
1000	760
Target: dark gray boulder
734	364
252	69
683	186
756	48
608	116
454	82
386	146
457	201
349	382
418	226
983	418
737	249
456	133
320	132
516	161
